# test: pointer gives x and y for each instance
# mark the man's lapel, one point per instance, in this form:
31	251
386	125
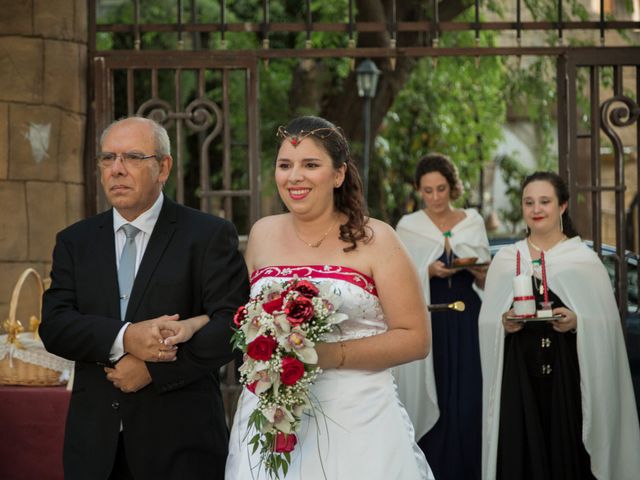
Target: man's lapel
106	263
162	233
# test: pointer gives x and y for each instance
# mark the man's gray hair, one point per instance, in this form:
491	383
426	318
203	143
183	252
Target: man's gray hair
161	141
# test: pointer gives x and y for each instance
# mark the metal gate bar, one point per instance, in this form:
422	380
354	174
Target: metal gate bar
618	111
199	116
431	27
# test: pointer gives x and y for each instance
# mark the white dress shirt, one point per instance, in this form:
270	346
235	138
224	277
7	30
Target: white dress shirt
145	223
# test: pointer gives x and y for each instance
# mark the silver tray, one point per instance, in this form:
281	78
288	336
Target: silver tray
457	267
535	319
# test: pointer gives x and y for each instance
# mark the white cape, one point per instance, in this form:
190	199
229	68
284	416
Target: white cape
609	419
425	243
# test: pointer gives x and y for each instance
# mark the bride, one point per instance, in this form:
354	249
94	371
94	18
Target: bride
359	428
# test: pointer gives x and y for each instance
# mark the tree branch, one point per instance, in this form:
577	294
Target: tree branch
344	107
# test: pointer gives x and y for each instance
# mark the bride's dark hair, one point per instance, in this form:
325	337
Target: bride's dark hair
348	197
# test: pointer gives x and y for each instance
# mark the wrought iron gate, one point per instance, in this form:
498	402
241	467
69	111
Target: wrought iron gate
602	128
196	110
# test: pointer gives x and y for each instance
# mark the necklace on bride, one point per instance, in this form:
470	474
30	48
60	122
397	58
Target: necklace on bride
538	249
317	243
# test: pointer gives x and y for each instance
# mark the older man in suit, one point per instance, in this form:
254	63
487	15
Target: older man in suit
142	409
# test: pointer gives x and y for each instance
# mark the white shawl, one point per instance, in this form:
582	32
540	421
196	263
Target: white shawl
609	419
425	243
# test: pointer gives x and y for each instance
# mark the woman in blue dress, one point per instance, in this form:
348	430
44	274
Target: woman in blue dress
442	393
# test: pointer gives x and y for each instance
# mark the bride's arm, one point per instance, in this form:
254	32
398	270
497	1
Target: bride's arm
180	331
175	332
398	286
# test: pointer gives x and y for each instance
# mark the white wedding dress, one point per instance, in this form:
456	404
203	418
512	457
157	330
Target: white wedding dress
359	430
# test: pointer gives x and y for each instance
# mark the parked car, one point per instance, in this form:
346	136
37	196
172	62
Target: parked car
632	319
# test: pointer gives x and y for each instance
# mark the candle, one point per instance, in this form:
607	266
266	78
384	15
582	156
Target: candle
545	310
524	302
544	279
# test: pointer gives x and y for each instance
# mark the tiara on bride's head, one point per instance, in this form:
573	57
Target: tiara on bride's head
296	138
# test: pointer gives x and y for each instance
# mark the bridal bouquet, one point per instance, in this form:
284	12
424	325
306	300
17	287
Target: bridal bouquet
277	331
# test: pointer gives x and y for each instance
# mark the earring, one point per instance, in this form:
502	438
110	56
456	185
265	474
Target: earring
561	226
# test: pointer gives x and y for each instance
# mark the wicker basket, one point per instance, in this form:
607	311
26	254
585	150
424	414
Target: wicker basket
23	358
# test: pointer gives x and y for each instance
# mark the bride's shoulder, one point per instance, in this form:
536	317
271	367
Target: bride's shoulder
267	224
382	234
265	231
263	238
378	224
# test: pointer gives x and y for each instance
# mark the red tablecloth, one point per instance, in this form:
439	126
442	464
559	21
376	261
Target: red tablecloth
32	432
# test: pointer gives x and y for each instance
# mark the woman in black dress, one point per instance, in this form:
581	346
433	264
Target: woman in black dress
543	380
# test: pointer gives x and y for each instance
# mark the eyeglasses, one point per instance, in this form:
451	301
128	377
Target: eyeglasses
130	159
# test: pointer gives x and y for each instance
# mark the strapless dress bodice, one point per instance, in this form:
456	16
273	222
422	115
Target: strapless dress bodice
357	292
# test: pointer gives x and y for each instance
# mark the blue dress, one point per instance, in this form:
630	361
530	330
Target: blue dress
453	446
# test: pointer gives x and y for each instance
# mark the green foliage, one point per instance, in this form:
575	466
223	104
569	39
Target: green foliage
456	107
531	95
513	174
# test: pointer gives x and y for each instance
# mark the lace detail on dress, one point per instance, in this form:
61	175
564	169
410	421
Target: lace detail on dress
335	272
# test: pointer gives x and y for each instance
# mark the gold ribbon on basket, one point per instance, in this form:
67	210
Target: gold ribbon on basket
13	329
34	324
24	359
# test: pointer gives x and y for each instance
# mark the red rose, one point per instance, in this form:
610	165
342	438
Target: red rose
306	288
252	386
285	442
262	347
299	310
240	316
273	305
292	370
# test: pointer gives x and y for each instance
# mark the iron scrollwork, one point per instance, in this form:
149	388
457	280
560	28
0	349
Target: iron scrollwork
200	113
627	113
157	110
621	116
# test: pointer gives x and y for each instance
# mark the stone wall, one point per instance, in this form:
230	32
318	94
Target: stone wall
43	61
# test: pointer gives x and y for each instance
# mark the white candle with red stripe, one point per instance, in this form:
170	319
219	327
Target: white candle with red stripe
524	303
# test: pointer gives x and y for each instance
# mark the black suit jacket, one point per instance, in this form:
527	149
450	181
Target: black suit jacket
175	427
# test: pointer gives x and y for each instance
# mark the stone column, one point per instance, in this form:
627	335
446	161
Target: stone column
43	63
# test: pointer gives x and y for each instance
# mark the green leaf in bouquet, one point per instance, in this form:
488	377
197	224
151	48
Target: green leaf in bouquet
257	419
238	340
255	441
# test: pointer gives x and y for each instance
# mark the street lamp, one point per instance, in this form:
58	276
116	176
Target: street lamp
367	76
